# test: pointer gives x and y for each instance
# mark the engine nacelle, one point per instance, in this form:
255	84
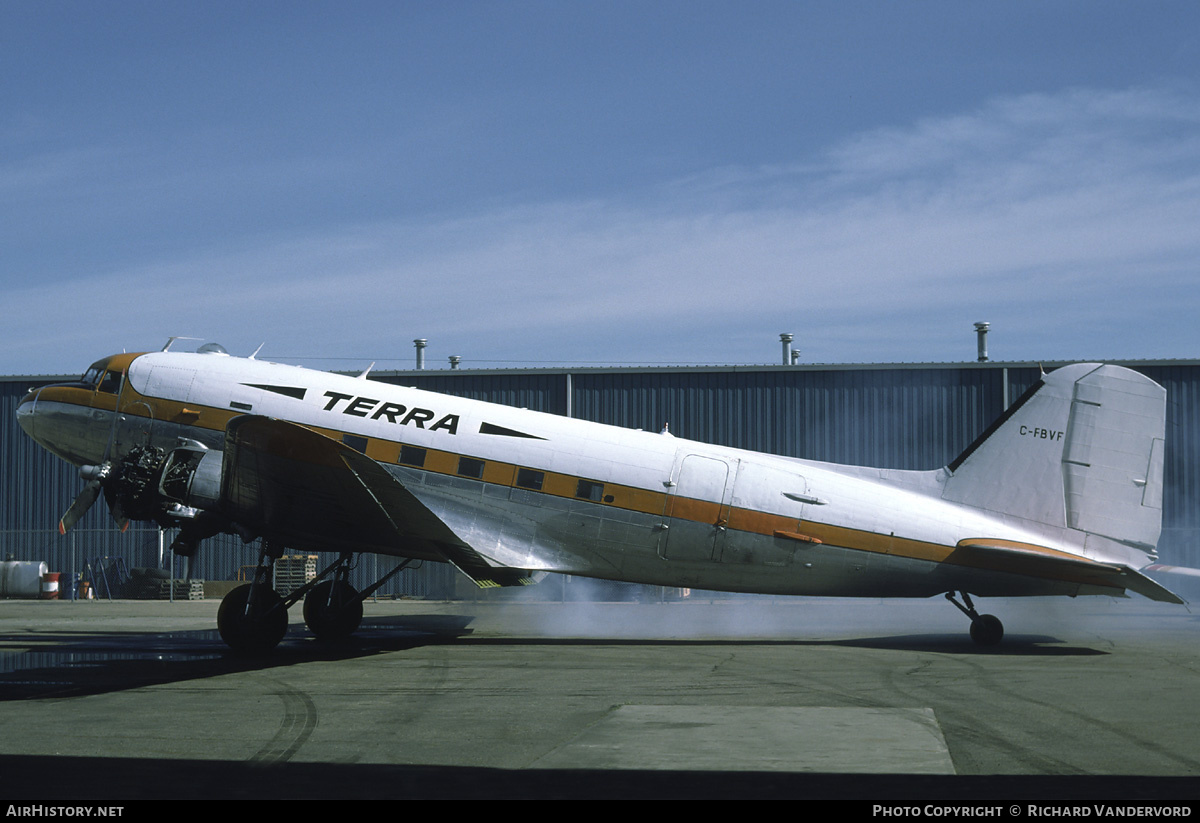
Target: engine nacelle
191	476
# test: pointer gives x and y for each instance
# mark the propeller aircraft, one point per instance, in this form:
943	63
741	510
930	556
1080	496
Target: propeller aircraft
1060	496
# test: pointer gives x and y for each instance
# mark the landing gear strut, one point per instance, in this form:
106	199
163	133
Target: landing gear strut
253	618
333	608
986	629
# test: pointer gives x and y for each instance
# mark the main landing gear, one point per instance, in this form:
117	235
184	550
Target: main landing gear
986	629
253	618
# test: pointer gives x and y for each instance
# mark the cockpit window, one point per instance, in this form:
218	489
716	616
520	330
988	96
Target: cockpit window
111	382
92	376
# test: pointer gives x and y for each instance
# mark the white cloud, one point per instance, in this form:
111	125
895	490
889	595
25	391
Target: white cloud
1047	214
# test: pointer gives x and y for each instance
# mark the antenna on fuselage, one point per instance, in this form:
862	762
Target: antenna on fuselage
171	341
256	351
367	371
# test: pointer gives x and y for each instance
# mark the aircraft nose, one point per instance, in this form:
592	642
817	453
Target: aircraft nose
26	411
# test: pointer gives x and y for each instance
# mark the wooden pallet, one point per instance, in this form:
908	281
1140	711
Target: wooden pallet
184	590
294	570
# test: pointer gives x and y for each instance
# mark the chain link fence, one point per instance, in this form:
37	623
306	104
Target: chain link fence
89	554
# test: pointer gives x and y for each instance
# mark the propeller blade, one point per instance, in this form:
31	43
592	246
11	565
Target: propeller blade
114	508
79	508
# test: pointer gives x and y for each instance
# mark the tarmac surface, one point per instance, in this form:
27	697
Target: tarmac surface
770	697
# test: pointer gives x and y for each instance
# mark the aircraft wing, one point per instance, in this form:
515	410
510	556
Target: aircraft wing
1039	561
313	493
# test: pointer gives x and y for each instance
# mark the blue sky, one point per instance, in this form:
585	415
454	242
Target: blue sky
546	183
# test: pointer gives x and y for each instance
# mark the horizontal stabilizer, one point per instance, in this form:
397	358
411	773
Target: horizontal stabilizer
1152	589
1159	568
1038	561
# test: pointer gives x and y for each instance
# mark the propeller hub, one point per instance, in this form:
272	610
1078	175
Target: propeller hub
98	472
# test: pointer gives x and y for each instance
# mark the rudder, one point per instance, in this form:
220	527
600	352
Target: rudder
1082	449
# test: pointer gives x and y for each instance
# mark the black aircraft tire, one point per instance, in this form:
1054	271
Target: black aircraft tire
987	630
332	613
260	630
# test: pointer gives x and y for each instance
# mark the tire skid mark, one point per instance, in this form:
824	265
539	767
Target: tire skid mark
1118	731
973	726
297	724
966	731
823	687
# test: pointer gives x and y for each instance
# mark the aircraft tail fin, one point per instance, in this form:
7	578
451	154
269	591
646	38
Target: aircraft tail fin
1082	449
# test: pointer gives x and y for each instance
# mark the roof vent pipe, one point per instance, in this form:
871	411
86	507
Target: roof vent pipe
786	340
454	361
981	330
420	343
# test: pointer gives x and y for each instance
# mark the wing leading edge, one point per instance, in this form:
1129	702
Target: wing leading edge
314	493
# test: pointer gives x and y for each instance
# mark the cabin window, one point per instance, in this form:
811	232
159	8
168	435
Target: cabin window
590	490
412	456
359	444
530	479
92	376
470	467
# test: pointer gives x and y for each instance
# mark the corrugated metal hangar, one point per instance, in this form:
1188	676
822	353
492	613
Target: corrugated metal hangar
902	416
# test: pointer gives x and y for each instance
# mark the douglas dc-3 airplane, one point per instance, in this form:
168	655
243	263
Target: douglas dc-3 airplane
1061	496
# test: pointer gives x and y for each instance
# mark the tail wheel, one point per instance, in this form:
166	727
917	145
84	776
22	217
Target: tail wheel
252	627
333	610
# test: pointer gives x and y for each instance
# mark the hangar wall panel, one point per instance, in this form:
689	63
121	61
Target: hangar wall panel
905	417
